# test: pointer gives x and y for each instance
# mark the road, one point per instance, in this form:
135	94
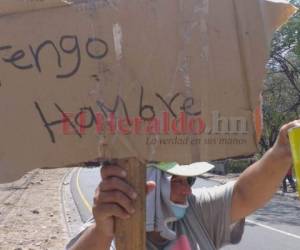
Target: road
275	227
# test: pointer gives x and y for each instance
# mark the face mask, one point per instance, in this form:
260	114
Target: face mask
179	210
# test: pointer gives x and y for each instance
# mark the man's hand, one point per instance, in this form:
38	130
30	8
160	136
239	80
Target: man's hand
281	149
113	198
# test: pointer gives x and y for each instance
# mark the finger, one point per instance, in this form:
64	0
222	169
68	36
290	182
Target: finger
109	209
97	194
107	171
294	124
150	186
117	184
283	134
118	198
290	125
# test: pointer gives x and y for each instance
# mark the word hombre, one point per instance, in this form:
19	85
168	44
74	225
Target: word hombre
147	120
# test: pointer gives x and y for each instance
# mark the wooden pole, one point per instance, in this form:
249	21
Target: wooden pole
131	233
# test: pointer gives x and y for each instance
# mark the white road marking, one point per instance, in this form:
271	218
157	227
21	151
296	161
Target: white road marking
274	229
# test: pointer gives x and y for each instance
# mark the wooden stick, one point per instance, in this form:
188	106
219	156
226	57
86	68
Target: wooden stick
131	233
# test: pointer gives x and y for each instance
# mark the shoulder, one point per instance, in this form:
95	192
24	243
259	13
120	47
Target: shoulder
209	195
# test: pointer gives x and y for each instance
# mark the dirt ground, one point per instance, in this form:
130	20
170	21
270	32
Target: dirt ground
31	214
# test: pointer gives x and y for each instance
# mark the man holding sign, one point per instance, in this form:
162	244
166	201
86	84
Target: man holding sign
137	63
207	220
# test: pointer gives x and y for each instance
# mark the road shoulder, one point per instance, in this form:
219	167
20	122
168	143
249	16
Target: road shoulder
31	212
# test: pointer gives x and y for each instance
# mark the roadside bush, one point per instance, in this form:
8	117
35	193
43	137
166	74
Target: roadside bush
238	165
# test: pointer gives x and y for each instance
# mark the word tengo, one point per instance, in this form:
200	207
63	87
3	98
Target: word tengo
95	48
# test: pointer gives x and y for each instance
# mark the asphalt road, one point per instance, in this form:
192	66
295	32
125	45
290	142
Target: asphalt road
275	227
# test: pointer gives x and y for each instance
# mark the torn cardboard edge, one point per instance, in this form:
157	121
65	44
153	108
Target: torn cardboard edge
8	7
272	20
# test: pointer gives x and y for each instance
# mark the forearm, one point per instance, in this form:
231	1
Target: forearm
258	183
92	239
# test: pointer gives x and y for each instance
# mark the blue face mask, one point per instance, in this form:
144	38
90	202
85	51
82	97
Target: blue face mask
178	210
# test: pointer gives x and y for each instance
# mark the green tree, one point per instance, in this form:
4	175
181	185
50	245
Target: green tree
282	86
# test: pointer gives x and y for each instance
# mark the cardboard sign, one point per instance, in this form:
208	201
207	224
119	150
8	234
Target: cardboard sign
159	80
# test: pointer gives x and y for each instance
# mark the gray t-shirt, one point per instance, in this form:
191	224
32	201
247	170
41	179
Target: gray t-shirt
206	225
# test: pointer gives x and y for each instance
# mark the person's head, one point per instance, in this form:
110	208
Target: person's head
183	177
181	188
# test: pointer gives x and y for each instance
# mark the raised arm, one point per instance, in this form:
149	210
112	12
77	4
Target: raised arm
258	183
